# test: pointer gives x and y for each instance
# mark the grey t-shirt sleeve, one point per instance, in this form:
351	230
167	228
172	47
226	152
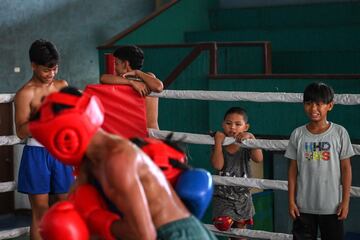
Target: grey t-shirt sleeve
291	149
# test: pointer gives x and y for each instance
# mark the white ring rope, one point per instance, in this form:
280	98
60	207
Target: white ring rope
231	181
264	183
235	232
10	140
265	144
231	233
272	145
7	186
16	232
344	99
13	233
6	97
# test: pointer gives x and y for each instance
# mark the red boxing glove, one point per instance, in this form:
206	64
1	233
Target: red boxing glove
91	206
223	223
62	221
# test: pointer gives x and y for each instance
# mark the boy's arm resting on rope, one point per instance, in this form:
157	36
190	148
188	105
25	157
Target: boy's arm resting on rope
256	154
113	79
138	86
217	157
154	84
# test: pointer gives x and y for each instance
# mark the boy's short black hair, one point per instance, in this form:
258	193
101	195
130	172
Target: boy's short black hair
130	53
237	110
44	53
318	92
59	107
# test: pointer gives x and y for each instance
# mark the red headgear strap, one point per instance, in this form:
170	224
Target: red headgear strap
66	134
164	156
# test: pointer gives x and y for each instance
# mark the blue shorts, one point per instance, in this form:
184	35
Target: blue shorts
41	173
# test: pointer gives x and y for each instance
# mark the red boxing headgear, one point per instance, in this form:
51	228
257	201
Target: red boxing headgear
164	156
66	134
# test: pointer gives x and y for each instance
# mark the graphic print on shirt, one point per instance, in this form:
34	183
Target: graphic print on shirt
317	151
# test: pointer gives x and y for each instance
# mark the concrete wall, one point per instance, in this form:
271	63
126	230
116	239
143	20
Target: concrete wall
77	27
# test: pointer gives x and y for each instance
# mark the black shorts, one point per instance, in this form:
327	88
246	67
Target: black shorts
306	225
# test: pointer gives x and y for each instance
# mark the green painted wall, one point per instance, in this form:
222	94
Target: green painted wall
314	38
301	50
169	26
263	219
161	61
240	60
189	115
320	14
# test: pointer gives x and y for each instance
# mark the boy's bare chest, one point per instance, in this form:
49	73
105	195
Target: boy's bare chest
39	95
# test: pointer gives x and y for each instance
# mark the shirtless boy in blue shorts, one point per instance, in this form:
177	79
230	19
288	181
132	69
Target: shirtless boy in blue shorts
40	174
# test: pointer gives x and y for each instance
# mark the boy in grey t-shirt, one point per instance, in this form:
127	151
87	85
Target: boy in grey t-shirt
319	154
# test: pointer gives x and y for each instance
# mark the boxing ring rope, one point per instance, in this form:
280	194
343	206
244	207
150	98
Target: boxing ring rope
10	140
13	233
271	145
193	138
343	99
6	97
233	232
264	184
7	186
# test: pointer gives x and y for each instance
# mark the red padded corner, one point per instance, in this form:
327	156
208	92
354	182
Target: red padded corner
110	63
125	110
